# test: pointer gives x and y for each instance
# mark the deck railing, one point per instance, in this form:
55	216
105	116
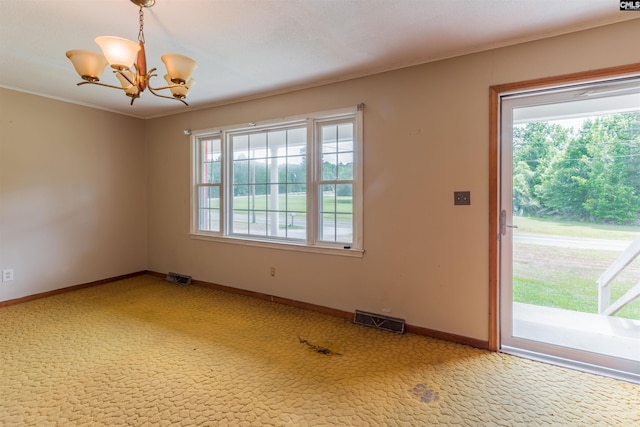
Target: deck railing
604	290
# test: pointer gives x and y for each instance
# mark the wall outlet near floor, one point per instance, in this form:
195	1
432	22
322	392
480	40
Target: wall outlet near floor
272	271
7	275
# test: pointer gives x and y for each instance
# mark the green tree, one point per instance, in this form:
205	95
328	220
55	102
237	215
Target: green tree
563	186
597	176
535	146
524	201
614	194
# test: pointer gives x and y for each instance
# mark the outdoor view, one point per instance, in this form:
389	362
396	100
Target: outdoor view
576	202
269	190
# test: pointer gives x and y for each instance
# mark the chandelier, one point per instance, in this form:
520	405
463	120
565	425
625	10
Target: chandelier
129	63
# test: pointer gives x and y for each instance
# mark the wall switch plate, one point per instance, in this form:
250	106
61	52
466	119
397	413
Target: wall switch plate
462	197
7	275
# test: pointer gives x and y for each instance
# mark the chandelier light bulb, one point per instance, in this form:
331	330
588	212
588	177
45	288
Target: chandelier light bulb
179	90
179	67
121	53
89	65
128	82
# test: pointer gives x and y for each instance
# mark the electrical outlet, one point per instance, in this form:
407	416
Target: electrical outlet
462	197
272	271
7	275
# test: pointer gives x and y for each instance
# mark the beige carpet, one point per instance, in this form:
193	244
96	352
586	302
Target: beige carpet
146	352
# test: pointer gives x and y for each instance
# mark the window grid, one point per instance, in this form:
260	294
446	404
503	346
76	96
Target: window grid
264	171
335	194
208	191
295	181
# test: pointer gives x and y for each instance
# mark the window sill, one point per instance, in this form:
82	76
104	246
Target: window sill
285	246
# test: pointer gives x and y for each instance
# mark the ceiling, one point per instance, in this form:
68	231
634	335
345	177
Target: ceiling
252	48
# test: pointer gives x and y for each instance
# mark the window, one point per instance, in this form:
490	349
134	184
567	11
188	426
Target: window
294	182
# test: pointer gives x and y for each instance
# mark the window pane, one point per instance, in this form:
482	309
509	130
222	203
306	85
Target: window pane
292	225
240	221
345	166
296	169
344	198
209	209
260	192
273	201
277	139
283	224
336	213
240	172
241	197
210	160
240	146
328	227
297	148
282	188
345	137
344	228
297	137
269	175
296	156
216	172
257	171
296	198
336	228
329	139
255	198
258	223
258	145
297	228
328	198
329	167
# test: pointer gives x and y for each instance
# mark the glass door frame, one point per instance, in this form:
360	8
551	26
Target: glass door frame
496	168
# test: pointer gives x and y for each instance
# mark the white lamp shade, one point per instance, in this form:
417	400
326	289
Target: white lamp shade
89	65
130	88
180	90
121	53
179	67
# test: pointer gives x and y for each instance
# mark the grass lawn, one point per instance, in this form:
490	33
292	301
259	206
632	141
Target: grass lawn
566	277
530	225
293	202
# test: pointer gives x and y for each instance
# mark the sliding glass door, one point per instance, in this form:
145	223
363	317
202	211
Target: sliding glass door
570	226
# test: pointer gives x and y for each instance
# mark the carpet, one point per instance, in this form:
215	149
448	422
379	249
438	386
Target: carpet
145	352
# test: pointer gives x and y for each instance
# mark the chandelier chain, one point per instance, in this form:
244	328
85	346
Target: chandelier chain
141	32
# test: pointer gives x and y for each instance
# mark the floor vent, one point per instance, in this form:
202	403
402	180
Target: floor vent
381	322
178	278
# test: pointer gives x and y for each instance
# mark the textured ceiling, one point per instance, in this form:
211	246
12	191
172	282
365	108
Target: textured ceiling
249	48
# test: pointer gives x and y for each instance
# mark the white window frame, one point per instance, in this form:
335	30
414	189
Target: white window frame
313	243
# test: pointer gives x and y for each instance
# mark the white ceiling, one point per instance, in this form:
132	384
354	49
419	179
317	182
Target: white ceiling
249	48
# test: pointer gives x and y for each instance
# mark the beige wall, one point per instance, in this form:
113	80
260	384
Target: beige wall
426	136
72	194
74	202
